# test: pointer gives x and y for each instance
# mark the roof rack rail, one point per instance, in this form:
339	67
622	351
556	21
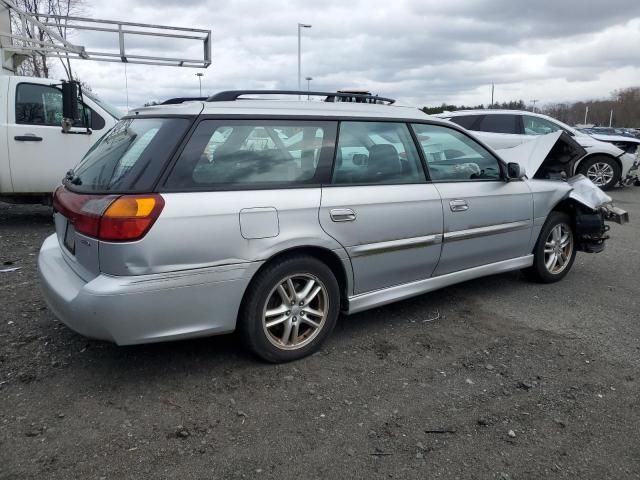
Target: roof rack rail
177	100
232	95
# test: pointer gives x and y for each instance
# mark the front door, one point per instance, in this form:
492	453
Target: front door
39	153
380	207
486	219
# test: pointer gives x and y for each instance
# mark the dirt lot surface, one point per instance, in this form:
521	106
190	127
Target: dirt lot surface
494	378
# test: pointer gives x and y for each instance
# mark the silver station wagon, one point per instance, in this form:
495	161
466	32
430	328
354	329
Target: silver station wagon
271	217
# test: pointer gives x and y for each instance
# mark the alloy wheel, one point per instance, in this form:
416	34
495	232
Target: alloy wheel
295	311
558	248
600	173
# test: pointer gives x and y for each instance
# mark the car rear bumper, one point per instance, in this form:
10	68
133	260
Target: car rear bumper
145	308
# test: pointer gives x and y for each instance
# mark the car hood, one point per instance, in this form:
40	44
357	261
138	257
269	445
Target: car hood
597	146
548	156
615	138
555	151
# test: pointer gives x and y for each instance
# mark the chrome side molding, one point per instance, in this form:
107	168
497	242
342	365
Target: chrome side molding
485	231
384	247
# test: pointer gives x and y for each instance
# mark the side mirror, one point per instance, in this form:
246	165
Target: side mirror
70	100
515	171
71	111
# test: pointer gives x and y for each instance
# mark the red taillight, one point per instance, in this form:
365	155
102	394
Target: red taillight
109	217
130	217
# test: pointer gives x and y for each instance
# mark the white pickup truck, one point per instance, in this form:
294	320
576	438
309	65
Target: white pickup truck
35	151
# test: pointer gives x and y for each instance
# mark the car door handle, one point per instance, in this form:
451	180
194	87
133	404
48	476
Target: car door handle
458	205
27	138
342	215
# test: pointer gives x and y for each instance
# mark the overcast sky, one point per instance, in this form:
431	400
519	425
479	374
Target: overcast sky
422	52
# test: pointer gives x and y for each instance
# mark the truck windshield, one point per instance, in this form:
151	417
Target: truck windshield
129	157
110	109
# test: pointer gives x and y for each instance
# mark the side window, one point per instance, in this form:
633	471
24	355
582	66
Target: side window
452	156
42	105
466	121
38	104
95	121
538	126
376	153
499	123
255	153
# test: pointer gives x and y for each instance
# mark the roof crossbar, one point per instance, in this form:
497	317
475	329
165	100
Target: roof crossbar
177	100
232	95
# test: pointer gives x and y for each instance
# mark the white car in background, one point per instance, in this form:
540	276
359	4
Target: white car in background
604	163
630	145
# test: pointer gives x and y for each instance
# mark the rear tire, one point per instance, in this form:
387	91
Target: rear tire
290	308
555	250
604	171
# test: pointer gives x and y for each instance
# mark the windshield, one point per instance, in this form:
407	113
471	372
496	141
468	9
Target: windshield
110	109
129	157
570	130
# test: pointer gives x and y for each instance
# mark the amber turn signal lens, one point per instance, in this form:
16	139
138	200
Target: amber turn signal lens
131	207
130	217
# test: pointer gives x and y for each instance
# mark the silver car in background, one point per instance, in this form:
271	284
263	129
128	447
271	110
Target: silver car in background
272	217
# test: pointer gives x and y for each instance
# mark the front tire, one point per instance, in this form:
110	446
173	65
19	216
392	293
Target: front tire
605	172
555	250
290	308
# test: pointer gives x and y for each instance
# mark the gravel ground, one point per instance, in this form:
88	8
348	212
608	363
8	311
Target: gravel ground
494	378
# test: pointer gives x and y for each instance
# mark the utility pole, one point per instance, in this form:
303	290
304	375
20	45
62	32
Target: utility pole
200	75
534	104
308	79
300	27
492	88
586	114
610	118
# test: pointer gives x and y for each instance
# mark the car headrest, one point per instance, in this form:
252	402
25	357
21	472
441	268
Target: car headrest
384	160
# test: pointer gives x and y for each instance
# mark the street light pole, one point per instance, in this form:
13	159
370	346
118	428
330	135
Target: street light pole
308	79
200	75
300	26
534	105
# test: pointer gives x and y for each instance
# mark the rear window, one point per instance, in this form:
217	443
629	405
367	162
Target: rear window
498	123
466	121
254	153
129	157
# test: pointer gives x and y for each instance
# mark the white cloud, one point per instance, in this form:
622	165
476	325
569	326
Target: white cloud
421	52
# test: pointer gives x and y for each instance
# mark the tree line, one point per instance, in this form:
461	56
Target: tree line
623	107
625	104
510	105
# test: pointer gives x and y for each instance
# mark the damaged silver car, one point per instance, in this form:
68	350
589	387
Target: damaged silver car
272	217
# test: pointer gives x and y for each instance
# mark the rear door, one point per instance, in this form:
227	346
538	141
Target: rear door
486	219
499	130
39	152
380	207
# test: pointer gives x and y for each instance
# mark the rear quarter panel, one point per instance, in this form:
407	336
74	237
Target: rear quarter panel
203	229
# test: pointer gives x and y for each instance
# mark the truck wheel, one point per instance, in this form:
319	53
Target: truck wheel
555	250
603	171
290	309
